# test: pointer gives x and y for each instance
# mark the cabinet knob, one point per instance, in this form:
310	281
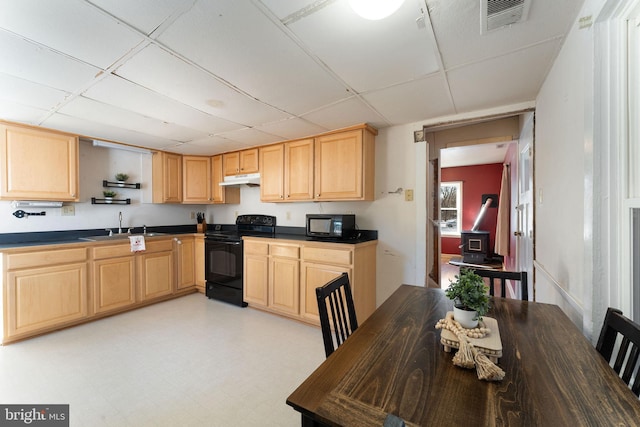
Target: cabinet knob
318	195
178	241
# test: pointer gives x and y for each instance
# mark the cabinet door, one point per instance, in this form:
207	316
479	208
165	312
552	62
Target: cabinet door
196	179
113	283
155	274
231	163
199	263
249	161
314	276
167	178
256	279
272	174
284	285
298	173
185	247
44	298
220	194
38	164
338	166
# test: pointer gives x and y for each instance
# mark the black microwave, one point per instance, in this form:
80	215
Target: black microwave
333	226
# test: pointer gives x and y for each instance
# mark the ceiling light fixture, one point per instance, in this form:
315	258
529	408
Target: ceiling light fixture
105	144
375	9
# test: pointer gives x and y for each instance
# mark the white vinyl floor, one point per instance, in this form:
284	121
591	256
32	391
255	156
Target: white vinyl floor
186	362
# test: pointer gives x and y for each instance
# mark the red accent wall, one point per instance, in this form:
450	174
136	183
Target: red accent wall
476	181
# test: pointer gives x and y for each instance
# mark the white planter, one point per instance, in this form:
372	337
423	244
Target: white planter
465	317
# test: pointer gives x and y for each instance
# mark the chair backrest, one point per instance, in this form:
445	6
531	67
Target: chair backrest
336	297
627	355
503	276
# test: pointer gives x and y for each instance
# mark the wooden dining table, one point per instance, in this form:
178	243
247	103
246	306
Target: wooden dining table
394	363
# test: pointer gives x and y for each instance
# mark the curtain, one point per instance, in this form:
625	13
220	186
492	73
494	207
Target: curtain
504	206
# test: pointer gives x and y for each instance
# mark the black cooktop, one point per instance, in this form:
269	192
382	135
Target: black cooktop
246	225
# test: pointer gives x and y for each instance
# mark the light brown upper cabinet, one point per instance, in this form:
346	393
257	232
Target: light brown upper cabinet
287	171
345	165
38	164
331	167
241	162
167	177
220	194
298	170
196	180
272	173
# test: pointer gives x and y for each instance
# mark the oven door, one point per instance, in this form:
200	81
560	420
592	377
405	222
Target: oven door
223	262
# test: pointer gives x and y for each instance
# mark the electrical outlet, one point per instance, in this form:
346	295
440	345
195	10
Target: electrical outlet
68	210
408	195
192	215
288	215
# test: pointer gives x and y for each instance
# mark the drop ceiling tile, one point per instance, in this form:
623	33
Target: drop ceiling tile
158	70
16	112
456	24
346	113
124	94
144	15
284	8
28	93
367	54
73	27
98	130
95	111
292	128
250	137
237	42
413	101
509	79
191	150
39	64
217	144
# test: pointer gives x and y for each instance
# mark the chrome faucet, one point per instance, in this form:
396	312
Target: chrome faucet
120	220
144	229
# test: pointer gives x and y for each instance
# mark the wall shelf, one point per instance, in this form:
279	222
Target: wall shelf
117	184
95	201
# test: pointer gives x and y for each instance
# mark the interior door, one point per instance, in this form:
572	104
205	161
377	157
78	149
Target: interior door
524	233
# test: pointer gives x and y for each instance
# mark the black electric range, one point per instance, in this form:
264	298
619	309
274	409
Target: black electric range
224	256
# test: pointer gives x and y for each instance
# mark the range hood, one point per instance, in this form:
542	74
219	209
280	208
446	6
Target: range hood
250	179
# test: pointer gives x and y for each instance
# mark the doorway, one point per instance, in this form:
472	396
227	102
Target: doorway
502	133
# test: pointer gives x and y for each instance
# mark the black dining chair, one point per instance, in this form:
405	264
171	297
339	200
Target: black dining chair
503	276
336	297
627	354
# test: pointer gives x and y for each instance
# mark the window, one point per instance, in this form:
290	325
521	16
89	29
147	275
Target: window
450	208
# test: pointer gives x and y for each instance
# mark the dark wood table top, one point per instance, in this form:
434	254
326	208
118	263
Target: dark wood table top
394	363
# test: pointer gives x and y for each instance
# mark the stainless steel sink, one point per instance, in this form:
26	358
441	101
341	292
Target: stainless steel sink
119	236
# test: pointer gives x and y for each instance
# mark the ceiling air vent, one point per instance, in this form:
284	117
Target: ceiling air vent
496	14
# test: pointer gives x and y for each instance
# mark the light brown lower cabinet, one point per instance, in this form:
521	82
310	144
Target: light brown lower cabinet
114	283
44	290
280	276
54	286
185	262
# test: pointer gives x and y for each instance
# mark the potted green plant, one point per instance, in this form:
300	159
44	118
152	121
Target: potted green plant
122	177
108	195
470	300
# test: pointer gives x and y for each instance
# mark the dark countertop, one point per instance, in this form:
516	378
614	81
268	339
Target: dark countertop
14	240
38	238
